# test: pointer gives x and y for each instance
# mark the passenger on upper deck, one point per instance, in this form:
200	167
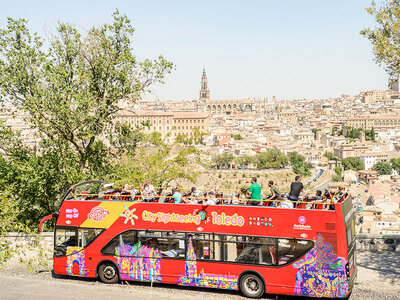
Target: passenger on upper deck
211	200
148	191
194	195
295	189
255	192
109	193
275	194
177	195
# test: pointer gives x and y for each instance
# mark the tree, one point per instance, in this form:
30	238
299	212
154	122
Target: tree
353	163
329	155
158	161
294	157
272	158
333	133
372	134
71	90
223	160
382	168
315	130
237	136
245	160
395	163
338	174
384	36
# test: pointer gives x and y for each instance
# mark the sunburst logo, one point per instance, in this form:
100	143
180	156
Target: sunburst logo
129	215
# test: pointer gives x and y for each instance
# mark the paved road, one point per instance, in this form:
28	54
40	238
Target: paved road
379	278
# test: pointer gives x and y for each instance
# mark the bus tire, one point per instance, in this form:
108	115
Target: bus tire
108	273
252	286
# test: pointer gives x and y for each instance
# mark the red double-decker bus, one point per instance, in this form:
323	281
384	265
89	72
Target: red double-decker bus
255	250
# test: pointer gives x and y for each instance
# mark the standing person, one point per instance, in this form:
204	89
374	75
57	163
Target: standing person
295	189
255	192
148	191
275	193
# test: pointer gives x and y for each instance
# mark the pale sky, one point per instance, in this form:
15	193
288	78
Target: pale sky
259	48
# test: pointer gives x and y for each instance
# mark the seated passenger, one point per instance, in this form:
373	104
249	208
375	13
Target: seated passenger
211	200
195	195
148	191
177	196
109	193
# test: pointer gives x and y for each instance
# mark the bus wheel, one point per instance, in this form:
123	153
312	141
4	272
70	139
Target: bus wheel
252	286
108	273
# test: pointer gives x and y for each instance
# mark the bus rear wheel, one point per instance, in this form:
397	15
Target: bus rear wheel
108	273
252	286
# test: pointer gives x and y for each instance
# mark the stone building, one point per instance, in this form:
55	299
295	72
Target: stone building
231	106
173	123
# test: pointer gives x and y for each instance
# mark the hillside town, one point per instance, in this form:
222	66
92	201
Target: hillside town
323	131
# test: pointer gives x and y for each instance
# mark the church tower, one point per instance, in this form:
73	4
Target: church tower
204	91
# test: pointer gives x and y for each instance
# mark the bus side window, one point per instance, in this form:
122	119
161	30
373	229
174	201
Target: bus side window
87	235
291	249
206	246
250	250
125	238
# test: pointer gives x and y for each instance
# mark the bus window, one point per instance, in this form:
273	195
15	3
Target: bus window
128	237
250	250
291	249
206	246
65	237
170	244
87	235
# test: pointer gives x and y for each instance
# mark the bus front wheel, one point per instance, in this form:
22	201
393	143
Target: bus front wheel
252	286
108	273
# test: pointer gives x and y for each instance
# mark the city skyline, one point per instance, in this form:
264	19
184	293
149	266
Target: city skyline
259	49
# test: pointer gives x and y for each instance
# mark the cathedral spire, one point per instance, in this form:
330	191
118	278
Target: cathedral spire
204	91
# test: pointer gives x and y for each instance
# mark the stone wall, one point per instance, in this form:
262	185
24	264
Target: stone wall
377	243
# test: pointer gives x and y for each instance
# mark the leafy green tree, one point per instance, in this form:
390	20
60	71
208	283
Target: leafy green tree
294	157
158	161
384	36
223	160
237	136
395	163
382	168
338	174
329	155
333	133
271	159
315	130
244	160
353	163
71	90
372	134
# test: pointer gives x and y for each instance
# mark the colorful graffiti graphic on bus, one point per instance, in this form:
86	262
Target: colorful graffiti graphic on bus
321	272
138	262
192	278
76	261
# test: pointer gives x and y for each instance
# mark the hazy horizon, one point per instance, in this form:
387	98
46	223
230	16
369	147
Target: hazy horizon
256	49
